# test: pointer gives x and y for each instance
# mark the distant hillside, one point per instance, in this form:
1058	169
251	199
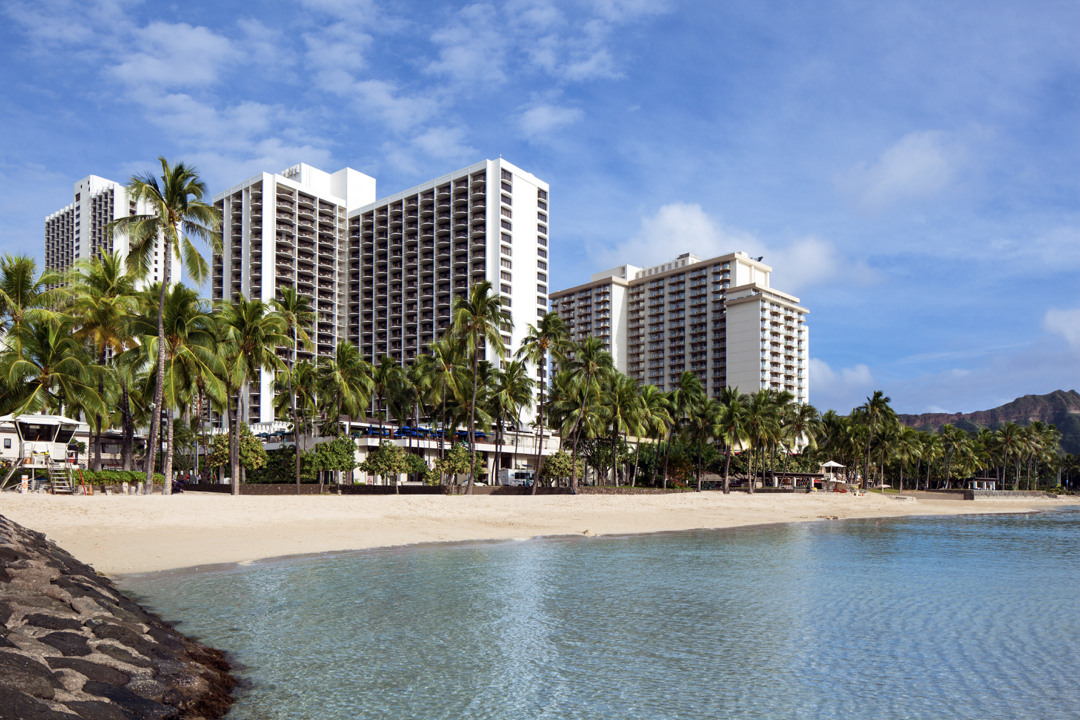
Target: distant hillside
1060	408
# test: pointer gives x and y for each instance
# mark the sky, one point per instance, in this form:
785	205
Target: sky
911	170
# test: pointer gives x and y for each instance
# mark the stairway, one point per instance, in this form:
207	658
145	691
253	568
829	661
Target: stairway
60	479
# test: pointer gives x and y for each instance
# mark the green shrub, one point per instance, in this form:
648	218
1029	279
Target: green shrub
113	477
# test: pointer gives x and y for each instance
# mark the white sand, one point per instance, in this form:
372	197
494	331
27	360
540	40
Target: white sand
120	534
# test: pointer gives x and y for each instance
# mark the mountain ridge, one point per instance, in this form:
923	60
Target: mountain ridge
1060	408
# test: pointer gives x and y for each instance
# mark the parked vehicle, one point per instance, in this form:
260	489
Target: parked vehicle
516	478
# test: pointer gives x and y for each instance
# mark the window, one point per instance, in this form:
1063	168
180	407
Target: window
7	442
541	264
541	253
542	217
505	263
506	199
505	276
505	289
505	250
540	300
541	288
542	194
506	238
542	277
507	175
541	241
541	204
541	229
505	212
507	187
506	225
540	313
505	301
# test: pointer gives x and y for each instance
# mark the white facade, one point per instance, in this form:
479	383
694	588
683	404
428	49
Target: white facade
78	231
416	250
718	318
290	229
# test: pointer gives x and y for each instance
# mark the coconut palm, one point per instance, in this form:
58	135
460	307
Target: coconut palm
623	410
955	441
731	427
655	419
27	295
762	425
478	321
547	339
702	425
295	310
102	300
50	370
191	359
874	413
389	381
251	332
681	398
512	391
587	365
345	385
905	449
177	214
444	377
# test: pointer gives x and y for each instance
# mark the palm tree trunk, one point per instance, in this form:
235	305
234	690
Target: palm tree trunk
667	451
234	446
159	389
700	449
128	446
727	470
168	464
577	425
472	422
540	439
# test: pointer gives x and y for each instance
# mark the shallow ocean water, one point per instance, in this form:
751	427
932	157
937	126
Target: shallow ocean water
958	617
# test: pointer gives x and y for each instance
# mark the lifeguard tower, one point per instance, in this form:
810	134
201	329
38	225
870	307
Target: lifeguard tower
43	441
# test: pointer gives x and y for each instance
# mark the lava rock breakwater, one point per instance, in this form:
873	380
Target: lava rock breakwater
72	646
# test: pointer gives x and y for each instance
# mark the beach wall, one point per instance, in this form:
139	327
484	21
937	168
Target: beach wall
72	646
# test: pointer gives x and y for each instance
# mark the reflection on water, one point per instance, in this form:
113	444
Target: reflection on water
972	617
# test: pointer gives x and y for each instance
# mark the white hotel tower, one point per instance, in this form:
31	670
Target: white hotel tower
78	231
383	273
719	318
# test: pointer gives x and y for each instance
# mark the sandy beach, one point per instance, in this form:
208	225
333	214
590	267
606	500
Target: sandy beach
122	534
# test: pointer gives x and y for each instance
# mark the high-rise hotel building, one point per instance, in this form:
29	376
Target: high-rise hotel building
79	231
383	273
412	252
718	318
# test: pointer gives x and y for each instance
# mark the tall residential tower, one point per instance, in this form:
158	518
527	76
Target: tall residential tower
718	318
79	231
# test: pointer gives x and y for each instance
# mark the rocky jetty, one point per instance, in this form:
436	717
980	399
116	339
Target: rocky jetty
72	646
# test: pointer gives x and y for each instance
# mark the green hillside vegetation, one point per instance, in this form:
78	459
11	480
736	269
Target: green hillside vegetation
1060	408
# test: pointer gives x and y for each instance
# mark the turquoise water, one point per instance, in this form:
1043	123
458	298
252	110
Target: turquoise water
968	617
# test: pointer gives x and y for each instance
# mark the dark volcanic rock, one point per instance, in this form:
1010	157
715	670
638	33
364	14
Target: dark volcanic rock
15	705
125	698
93	671
67	643
27	675
100	711
43	588
52	622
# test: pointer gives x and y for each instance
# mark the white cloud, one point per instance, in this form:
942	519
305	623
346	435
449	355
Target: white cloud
439	144
839	390
685	227
1065	323
921	164
473	48
626	10
543	119
175	55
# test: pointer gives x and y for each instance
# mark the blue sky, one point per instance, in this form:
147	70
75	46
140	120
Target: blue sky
910	169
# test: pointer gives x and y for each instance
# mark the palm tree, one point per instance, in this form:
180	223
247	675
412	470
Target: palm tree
932	449
623	410
103	298
687	392
479	320
655	419
542	341
731	427
762	424
178	213
389	380
874	413
802	426
251	333
345	385
906	448
702	425
50	371
589	363
513	391
191	359
27	296
955	441
295	310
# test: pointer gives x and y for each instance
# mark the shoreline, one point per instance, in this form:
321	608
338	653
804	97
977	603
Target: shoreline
125	535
